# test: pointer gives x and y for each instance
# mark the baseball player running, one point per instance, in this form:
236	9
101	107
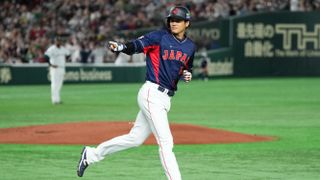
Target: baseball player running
169	57
56	56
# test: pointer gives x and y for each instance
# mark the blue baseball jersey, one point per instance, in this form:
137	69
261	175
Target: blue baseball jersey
166	57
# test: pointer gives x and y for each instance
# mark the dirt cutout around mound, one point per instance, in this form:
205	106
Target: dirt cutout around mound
93	133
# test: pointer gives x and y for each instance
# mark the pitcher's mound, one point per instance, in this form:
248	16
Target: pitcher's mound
92	133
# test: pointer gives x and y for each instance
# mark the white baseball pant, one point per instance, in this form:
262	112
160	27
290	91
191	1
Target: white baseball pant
57	75
152	117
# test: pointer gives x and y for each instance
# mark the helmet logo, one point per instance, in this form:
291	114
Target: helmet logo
175	11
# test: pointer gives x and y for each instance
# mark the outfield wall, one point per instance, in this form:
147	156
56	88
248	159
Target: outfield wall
75	73
221	63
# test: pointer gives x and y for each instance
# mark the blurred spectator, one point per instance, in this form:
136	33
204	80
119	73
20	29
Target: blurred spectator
122	58
98	53
85	52
74	48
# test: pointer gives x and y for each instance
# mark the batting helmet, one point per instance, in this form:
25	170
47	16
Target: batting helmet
179	12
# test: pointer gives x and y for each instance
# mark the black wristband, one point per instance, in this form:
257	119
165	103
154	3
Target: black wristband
130	49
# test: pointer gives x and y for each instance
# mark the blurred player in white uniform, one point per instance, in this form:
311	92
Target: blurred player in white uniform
56	56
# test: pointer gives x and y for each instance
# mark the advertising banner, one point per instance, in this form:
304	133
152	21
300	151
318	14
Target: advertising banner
277	43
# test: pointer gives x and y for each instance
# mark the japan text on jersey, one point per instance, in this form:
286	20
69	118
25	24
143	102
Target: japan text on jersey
166	57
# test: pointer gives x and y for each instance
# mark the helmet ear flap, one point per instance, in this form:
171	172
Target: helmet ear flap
168	22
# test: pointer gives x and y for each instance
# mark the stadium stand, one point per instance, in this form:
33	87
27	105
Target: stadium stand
28	26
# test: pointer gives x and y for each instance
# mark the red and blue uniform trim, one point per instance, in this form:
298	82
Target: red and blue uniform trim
166	57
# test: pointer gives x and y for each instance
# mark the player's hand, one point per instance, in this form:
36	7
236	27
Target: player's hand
115	46
187	76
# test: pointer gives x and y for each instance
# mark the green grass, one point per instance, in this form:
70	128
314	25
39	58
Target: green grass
287	108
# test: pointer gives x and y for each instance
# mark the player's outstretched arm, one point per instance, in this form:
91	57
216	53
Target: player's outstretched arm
127	48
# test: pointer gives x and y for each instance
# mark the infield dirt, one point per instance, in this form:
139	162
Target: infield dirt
90	133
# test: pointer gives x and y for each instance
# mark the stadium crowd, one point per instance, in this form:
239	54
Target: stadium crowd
28	26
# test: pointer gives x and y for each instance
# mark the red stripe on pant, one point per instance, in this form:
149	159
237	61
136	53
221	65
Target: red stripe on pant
162	155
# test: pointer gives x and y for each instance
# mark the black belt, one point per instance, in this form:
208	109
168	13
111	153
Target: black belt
169	92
